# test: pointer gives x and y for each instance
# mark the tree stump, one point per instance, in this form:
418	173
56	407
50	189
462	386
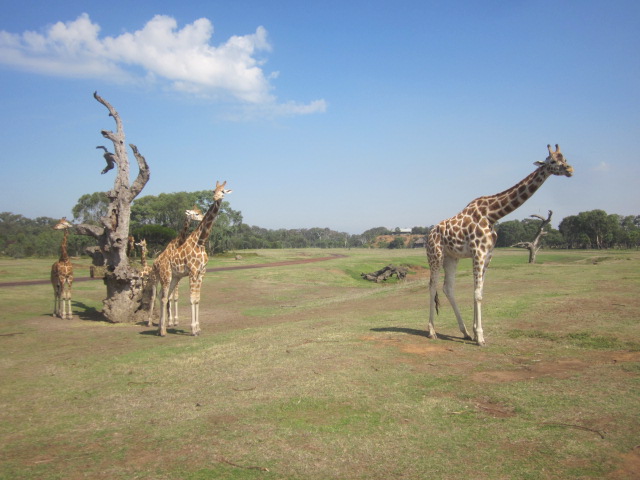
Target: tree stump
123	282
534	246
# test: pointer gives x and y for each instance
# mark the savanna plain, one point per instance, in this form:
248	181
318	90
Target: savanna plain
310	372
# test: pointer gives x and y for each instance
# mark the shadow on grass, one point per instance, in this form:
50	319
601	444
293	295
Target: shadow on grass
170	331
87	313
420	333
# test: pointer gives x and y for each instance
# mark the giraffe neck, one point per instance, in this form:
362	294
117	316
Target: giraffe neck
64	256
184	232
202	233
503	203
143	257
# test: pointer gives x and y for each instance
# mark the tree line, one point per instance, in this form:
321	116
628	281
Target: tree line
159	218
593	229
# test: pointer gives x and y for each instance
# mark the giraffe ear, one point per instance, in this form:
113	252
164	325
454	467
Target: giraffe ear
538	163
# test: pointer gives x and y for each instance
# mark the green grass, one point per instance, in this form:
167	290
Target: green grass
310	372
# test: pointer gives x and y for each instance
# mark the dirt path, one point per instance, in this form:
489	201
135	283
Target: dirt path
214	269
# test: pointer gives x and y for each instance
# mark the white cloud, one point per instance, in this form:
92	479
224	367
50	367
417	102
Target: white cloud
182	58
602	167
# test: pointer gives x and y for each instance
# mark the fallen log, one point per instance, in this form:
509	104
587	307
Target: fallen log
385	273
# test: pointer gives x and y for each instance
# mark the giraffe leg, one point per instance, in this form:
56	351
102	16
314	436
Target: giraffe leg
56	301
162	323
479	268
66	301
194	286
154	287
173	308
450	266
433	300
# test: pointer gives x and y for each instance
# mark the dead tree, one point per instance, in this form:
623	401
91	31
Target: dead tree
124	283
536	244
384	273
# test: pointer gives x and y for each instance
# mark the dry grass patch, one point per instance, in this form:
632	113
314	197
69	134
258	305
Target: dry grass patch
306	372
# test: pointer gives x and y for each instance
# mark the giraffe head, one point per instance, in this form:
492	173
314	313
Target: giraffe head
142	244
555	163
220	192
195	214
63	224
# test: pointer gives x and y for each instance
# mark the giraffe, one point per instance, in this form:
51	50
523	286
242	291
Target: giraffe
471	234
193	215
131	246
189	259
62	275
145	269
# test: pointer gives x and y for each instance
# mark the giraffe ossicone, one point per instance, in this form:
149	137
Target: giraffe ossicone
471	234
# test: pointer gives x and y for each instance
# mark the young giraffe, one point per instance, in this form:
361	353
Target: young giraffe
145	270
190	259
62	276
471	233
194	215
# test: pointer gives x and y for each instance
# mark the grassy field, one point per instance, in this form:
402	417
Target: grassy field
309	372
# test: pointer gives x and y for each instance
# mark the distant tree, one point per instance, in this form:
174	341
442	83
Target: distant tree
534	245
397	242
370	235
90	208
509	233
157	236
167	210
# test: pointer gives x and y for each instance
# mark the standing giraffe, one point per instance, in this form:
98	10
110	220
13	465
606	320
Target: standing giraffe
62	275
471	234
145	269
189	259
194	215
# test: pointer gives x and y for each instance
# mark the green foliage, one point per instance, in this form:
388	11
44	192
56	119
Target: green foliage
515	231
157	236
22	237
157	218
90	208
397	242
597	229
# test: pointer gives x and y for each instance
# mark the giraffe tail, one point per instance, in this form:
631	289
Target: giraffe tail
437	302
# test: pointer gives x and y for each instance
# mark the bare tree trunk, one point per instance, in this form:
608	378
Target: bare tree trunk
534	246
124	283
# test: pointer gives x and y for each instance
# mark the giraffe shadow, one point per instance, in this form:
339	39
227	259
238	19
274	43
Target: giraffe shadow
420	333
170	331
86	313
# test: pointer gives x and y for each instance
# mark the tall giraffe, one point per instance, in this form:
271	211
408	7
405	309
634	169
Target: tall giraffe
471	234
62	275
193	215
189	259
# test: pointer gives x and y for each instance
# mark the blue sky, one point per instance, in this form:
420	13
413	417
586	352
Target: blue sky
341	114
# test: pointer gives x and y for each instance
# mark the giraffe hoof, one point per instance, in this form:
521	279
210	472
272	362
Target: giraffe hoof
432	336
